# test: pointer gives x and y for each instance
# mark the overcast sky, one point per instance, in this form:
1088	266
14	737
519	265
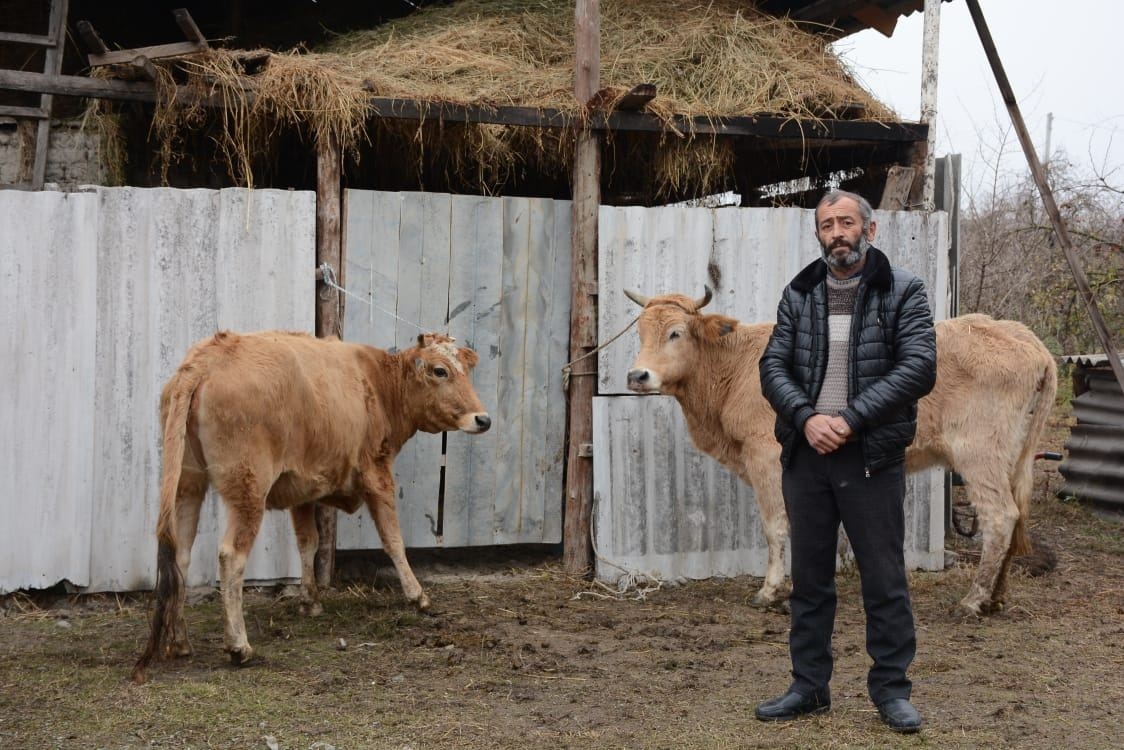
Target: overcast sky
1061	58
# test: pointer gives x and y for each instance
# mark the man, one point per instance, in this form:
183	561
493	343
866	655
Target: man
852	352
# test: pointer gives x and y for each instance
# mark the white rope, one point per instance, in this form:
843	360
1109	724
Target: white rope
328	276
632	584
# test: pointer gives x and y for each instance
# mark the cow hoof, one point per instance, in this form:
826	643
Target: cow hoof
967	611
772	603
312	609
239	657
180	650
422	603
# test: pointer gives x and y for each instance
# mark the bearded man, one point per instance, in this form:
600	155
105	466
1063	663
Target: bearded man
852	352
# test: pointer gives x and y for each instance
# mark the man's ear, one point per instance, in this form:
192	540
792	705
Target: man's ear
713	327
871	230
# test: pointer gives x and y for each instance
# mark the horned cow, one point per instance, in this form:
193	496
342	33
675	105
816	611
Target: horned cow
994	390
276	420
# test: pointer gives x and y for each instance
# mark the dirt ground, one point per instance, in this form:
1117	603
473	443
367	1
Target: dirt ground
520	655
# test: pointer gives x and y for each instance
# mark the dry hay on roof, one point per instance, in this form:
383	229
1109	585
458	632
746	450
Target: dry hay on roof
719	58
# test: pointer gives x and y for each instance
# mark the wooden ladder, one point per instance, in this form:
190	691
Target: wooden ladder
54	43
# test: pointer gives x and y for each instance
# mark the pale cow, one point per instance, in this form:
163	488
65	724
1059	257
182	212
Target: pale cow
276	420
995	387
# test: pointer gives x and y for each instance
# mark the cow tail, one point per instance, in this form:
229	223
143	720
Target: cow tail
169	591
1023	482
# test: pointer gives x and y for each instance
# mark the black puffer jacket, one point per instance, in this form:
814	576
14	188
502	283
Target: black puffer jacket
893	358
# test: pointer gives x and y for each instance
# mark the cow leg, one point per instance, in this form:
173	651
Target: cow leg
244	492
308	538
379	496
189	500
765	478
997	514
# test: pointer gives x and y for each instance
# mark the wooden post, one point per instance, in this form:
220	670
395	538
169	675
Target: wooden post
1047	194
577	547
329	249
930	48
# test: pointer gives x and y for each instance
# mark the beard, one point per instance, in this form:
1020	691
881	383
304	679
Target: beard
845	262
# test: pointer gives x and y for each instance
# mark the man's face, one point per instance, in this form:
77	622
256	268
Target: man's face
839	227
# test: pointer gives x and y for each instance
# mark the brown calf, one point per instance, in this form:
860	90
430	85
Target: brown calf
277	420
995	387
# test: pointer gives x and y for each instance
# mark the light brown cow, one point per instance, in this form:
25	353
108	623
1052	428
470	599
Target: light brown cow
995	387
278	420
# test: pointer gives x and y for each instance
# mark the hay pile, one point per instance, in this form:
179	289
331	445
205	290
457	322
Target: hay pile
717	58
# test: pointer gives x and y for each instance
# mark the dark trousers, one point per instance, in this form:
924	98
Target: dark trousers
819	493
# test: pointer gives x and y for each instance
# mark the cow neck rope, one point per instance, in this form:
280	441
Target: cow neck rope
328	276
568	368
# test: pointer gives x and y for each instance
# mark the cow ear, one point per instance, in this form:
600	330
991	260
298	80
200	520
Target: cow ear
425	339
713	327
468	357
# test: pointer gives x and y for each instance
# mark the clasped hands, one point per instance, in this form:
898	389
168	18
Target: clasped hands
825	433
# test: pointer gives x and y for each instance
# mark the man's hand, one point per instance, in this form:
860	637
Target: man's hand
825	433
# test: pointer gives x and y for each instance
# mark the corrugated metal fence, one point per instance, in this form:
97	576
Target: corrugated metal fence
104	292
661	507
1094	464
110	288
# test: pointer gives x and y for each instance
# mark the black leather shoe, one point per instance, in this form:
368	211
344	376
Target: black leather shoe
900	715
792	705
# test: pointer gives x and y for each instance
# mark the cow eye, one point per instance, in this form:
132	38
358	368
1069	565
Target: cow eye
440	372
674	335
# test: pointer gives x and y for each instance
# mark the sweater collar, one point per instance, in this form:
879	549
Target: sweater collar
875	273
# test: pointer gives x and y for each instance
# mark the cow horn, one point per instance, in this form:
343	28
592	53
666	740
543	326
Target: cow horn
705	300
638	298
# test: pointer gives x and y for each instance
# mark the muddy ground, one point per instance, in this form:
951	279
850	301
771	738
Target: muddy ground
520	655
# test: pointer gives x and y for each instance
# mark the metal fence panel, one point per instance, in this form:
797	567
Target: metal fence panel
150	271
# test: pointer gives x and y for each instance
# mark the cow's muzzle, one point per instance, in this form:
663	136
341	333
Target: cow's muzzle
642	380
480	423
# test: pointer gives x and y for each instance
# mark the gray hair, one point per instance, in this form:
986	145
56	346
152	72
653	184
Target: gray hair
832	197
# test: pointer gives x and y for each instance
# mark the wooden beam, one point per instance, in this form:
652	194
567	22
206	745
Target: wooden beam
329	250
187	25
1039	174
577	548
116	57
30	113
33	40
90	38
806	132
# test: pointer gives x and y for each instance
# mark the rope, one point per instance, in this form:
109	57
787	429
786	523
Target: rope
631	580
567	369
328	276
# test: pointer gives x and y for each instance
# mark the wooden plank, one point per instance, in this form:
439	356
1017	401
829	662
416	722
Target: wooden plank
33	40
475	296
577	551
899	183
423	288
31	113
115	57
511	418
556	341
